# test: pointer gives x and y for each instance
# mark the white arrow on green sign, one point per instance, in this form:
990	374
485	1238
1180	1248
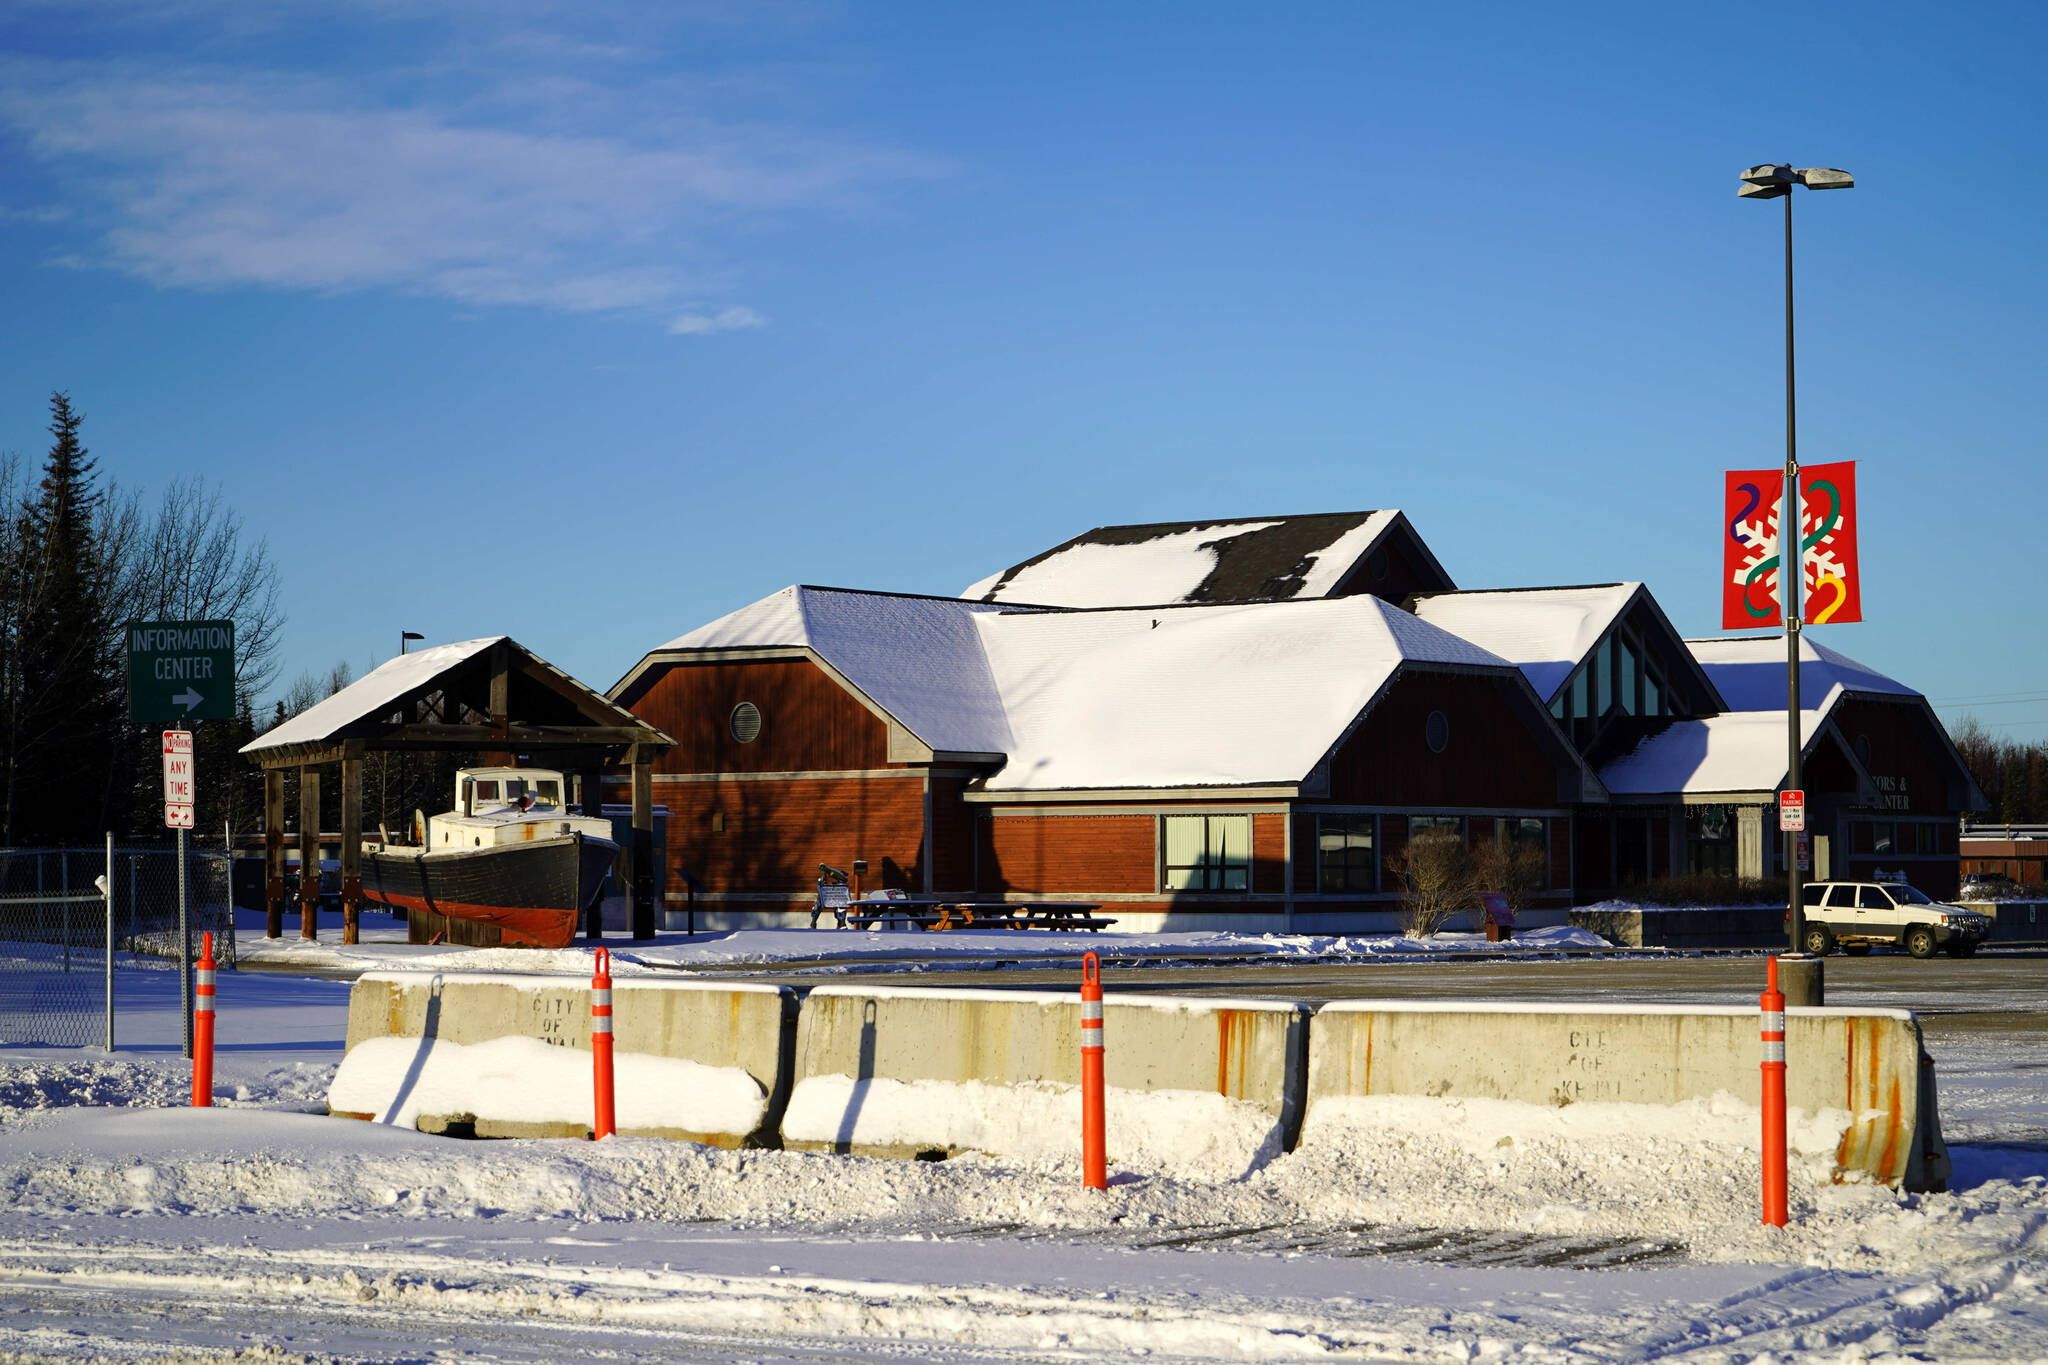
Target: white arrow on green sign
180	671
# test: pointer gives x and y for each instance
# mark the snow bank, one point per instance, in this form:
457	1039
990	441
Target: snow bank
527	1081
1189	1132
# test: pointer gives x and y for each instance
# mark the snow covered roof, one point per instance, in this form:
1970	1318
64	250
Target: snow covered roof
918	658
376	692
1196	696
1749	671
1737	751
1546	631
1226	695
363	709
1249	559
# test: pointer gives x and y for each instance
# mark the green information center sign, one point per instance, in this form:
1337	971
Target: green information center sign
180	671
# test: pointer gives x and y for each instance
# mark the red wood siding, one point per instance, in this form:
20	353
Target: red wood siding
1491	760
1899	750
952	837
775	834
1068	855
809	723
1269	853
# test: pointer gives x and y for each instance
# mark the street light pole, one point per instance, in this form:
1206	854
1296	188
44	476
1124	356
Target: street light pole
1776	182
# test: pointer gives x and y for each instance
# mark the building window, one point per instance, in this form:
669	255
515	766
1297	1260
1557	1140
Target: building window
1526	832
1208	852
1710	840
745	722
1423	824
1436	732
1345	858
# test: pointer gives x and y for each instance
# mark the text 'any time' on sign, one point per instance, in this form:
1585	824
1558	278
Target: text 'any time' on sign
180	671
178	779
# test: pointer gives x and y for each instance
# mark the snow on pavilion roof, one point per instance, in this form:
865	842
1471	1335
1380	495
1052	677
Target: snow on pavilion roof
1544	631
1227	695
1251	559
377	691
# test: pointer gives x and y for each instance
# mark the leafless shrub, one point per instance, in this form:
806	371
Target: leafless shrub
1512	868
1438	871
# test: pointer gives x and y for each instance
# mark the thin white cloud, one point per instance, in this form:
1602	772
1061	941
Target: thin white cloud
293	181
735	319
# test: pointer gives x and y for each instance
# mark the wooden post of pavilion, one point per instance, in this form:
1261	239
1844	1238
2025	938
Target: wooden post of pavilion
309	852
643	842
273	853
351	841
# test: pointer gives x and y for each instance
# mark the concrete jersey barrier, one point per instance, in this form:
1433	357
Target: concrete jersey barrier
503	1055
1196	1086
1858	1072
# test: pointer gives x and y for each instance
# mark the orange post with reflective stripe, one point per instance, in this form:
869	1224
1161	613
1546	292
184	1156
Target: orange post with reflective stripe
202	1026
1773	1002
1094	1149
601	1045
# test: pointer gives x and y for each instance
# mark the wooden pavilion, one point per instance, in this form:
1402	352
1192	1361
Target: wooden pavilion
490	695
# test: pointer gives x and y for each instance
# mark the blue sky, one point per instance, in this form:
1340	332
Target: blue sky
587	323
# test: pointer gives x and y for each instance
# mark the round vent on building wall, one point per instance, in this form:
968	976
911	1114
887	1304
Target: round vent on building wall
1862	748
745	722
1436	732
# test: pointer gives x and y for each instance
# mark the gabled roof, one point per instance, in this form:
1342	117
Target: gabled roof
1235	695
1548	632
1155	697
388	708
918	659
1246	559
1736	751
1749	671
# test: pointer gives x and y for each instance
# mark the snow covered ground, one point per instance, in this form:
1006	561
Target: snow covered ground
384	948
131	1228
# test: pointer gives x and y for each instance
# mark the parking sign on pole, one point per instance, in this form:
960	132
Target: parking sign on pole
177	779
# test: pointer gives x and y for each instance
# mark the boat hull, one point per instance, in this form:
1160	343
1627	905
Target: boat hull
529	894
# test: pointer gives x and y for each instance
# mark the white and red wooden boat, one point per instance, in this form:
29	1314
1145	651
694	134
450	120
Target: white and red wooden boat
510	864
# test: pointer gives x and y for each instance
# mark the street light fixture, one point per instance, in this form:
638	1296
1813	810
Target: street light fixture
405	636
1776	182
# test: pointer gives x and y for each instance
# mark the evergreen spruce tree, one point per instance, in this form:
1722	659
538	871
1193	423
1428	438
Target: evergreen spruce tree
63	721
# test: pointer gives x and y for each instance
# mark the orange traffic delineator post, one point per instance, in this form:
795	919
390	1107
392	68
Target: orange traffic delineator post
1773	1002
202	1026
1094	1150
601	1044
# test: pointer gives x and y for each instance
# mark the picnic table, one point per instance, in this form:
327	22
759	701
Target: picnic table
939	915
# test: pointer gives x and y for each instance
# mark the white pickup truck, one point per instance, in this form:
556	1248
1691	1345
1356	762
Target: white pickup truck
1861	915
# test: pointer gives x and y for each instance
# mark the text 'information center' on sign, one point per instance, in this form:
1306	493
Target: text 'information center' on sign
181	671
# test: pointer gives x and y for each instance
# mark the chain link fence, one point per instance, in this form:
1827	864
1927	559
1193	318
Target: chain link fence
58	921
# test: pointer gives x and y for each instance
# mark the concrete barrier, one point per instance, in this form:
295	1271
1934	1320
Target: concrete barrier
501	1055
1855	1076
1195	1086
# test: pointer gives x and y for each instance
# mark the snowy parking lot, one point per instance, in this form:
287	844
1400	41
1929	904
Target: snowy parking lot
136	1229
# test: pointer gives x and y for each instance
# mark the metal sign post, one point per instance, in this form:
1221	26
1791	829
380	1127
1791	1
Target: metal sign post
178	779
180	671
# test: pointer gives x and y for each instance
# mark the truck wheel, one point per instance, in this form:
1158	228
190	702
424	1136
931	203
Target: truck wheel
1920	942
1818	940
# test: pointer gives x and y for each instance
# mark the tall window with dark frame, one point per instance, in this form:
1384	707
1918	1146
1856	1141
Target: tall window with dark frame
1207	852
1526	831
1346	860
1710	840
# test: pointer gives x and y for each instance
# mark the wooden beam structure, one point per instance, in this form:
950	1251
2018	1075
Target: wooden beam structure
309	853
273	853
488	696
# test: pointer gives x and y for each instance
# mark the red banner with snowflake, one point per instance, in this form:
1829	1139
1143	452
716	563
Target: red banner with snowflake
1827	537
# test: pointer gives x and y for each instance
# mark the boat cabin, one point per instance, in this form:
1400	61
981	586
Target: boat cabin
510	805
481	791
